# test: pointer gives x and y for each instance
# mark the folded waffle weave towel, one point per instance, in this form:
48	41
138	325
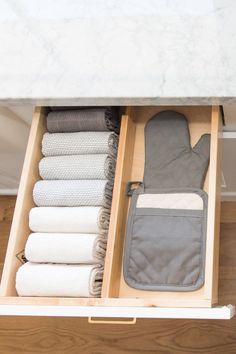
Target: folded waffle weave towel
82	143
78	167
94	220
65	248
73	193
34	279
87	119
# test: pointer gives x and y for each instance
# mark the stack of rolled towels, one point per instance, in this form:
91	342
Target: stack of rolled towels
66	249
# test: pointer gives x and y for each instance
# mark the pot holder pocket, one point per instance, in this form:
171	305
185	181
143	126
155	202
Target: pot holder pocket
166	240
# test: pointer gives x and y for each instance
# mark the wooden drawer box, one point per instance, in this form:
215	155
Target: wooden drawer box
118	299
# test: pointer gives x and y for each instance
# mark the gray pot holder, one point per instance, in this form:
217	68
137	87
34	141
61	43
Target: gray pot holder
166	229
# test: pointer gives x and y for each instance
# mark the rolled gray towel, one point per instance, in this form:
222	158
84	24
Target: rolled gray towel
72	167
80	143
73	193
84	119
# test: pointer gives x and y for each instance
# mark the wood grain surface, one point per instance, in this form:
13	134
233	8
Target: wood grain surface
30	335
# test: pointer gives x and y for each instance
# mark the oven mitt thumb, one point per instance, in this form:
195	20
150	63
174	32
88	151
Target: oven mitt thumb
170	161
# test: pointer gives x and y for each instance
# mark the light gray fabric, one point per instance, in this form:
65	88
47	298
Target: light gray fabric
80	143
170	161
165	248
74	167
73	193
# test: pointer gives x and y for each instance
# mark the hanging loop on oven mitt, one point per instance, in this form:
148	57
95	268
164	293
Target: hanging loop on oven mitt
166	229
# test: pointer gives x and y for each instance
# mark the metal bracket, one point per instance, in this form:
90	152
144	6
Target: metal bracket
130	190
222	115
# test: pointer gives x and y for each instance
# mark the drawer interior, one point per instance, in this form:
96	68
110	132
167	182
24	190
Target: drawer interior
201	120
130	166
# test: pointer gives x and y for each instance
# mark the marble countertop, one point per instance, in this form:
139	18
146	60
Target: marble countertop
80	52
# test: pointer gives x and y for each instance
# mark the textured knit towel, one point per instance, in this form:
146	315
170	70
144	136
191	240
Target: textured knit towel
81	143
34	279
87	119
65	248
73	193
94	220
78	167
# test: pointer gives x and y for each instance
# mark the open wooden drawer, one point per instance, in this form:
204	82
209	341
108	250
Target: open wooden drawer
118	299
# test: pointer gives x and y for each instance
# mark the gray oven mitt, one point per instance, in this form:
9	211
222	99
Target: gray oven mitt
170	161
166	228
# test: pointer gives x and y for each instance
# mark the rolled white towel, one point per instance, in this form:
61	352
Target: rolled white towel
65	248
94	220
34	279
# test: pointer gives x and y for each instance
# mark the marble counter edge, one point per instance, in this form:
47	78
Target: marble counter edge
118	101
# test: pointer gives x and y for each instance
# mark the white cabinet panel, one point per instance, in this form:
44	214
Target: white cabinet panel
230	117
229	166
14	132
